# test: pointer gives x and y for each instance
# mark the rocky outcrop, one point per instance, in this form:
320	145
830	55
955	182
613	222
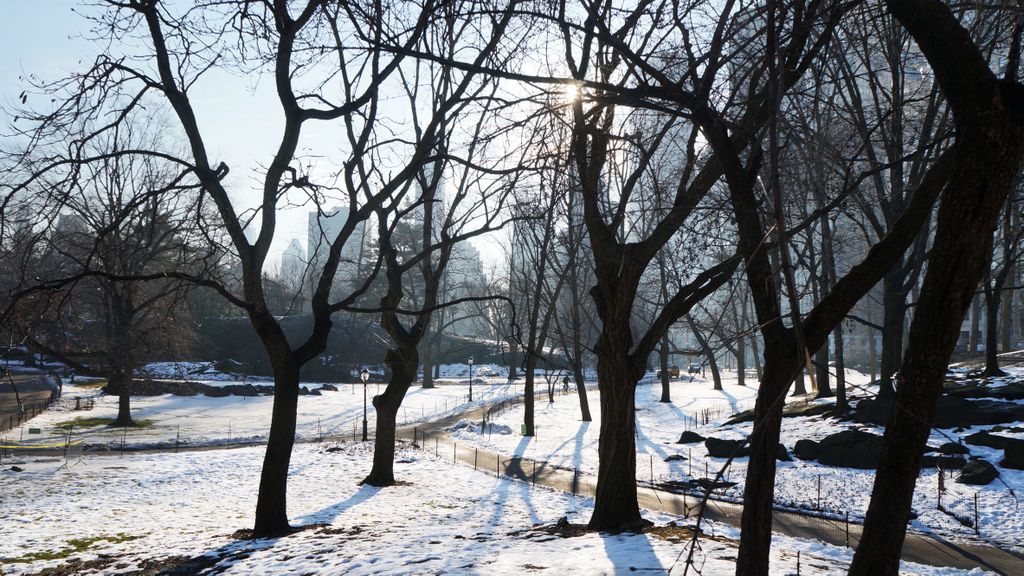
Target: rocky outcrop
689	437
851	449
806	449
950	412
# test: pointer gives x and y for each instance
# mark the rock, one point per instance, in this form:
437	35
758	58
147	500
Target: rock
689	437
953	448
675	458
315	392
215	392
16	469
992	440
1013	457
943	461
328	388
950	411
788	412
978	473
782	454
851	449
719	448
806	449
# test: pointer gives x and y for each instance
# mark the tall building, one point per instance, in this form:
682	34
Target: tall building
293	266
323	231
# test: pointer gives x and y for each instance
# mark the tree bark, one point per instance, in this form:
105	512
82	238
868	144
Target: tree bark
993	297
271	502
581	390
841	403
386	405
894	301
122	383
989	122
666	388
615	503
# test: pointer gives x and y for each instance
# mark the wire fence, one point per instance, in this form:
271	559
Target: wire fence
22	414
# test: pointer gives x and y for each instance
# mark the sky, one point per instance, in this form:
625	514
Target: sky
240	117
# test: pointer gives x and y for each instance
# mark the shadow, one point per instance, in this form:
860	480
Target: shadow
327	514
631	553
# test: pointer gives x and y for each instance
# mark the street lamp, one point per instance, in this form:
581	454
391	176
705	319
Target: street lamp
365	377
470	378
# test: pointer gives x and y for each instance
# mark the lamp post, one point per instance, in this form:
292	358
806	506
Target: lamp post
365	377
470	378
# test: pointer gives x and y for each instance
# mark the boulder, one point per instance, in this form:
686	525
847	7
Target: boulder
782	454
806	449
977	472
851	449
328	388
689	437
992	440
950	411
953	448
675	457
719	448
1013	457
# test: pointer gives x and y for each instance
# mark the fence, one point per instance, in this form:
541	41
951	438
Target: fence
26	412
69	447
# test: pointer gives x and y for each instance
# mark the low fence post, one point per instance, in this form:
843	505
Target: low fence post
847	529
476	452
977	527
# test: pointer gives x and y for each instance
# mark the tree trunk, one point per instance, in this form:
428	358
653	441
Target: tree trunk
894	301
758	370
615	503
741	363
759	490
666	390
121	383
821	372
428	365
990	149
1006	319
992	300
271	503
716	376
581	389
841	404
974	338
386	405
528	394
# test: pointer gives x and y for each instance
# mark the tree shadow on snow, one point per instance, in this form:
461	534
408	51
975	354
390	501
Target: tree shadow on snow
327	514
631	553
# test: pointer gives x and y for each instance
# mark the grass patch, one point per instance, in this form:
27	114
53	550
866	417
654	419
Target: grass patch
93	385
73	546
92	422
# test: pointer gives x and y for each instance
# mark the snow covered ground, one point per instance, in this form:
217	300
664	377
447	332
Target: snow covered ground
564	440
202	420
112	514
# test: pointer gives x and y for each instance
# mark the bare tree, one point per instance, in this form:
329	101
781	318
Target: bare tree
988	113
